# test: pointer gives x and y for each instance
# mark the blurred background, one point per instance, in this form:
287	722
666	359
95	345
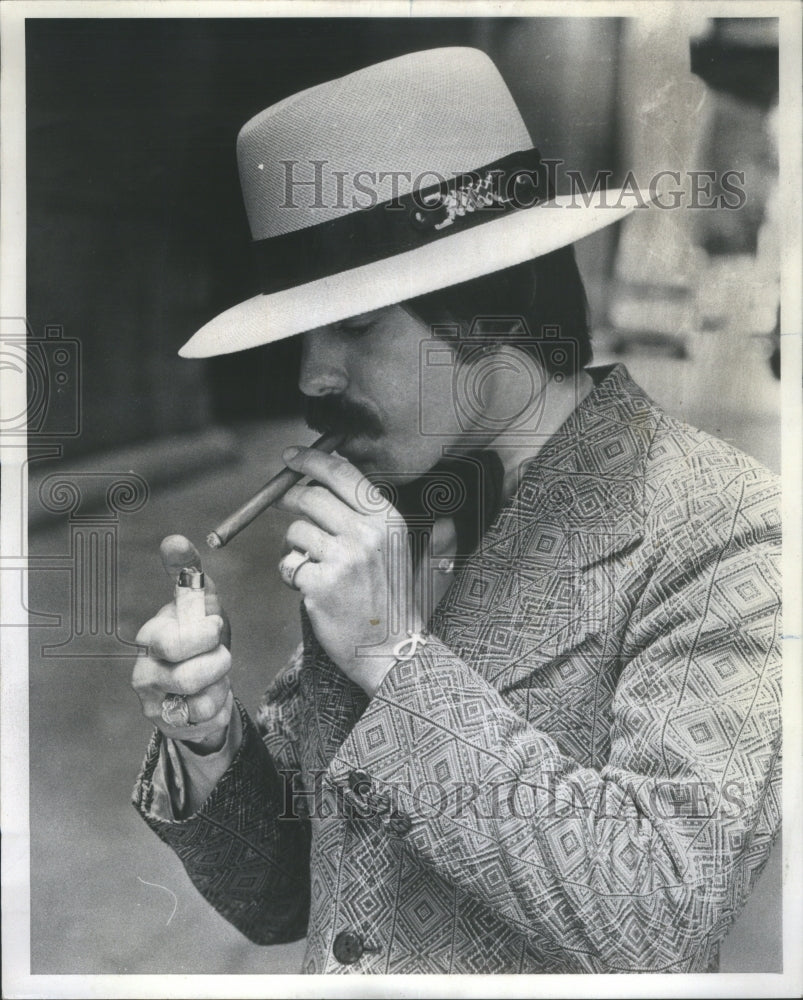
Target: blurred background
137	236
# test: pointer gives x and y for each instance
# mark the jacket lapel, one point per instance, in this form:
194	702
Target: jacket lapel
539	580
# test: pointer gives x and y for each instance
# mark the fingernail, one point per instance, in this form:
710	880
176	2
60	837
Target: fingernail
290	453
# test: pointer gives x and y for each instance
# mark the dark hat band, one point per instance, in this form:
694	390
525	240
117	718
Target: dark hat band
514	183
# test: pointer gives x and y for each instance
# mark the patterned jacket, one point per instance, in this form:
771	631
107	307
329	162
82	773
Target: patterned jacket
578	773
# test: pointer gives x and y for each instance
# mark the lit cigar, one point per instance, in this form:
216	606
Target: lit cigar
272	491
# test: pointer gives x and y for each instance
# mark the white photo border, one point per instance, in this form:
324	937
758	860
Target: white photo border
17	979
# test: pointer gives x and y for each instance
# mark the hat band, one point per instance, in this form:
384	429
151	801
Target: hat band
514	183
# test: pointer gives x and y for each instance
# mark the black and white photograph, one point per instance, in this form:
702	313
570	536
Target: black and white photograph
401	466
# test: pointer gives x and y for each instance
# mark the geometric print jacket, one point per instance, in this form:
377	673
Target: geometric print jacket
578	773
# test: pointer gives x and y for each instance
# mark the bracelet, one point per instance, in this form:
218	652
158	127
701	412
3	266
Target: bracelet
407	648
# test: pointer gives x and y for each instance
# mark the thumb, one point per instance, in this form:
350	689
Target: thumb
178	552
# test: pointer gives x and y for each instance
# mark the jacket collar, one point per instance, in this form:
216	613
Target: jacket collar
580	500
588	479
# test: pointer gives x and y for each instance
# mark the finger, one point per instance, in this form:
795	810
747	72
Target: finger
339	476
292	565
152	625
196	732
212	605
212	609
156	678
309	538
202	707
319	505
179	553
166	611
206	705
167	639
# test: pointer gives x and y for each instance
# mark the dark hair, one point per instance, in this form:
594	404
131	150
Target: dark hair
542	303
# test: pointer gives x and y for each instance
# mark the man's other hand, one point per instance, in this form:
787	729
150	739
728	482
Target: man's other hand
192	659
358	582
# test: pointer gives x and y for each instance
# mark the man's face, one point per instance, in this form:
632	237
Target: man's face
363	376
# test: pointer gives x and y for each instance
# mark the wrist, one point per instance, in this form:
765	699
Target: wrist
372	679
405	649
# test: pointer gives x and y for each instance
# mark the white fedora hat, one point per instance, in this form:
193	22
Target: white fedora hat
394	181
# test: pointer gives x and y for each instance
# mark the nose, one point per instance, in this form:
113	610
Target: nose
323	364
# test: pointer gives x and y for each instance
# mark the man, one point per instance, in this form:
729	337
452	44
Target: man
534	723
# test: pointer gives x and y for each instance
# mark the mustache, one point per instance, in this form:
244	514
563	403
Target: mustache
333	413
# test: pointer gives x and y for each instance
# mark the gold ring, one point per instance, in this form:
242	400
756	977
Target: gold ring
175	710
290	571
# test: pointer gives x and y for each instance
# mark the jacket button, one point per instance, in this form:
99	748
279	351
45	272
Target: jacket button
380	803
360	782
348	947
400	823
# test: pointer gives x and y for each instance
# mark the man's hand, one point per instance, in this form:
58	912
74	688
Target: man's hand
193	661
357	587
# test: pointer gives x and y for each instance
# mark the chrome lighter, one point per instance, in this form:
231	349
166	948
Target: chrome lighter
190	596
190	608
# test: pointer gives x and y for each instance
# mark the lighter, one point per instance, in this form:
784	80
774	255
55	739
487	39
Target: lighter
190	609
190	596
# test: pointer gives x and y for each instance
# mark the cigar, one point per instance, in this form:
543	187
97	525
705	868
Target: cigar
272	491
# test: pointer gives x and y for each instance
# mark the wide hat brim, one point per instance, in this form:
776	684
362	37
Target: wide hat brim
492	246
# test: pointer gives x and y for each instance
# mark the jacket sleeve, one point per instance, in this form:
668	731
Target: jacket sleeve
642	864
245	851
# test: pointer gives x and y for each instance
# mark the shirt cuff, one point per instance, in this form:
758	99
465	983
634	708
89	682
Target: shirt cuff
183	780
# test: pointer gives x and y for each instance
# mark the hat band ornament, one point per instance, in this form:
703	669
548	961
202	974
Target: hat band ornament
514	183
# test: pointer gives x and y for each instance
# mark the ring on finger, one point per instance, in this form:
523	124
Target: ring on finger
290	566
176	710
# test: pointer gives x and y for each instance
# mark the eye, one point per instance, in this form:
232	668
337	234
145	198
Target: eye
357	326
